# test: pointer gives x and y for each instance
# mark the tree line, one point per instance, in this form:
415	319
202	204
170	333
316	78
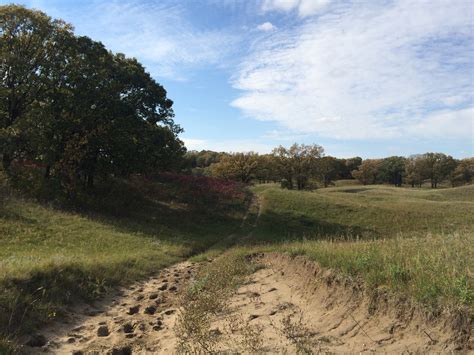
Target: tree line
304	166
74	109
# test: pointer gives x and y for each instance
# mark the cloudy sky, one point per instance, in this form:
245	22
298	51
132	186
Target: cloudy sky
368	78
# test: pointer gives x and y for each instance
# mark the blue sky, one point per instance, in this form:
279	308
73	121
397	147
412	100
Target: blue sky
367	78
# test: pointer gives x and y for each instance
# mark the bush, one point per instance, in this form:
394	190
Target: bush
285	184
206	190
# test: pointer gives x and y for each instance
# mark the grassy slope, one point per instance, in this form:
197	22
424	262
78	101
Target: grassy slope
49	258
364	211
419	242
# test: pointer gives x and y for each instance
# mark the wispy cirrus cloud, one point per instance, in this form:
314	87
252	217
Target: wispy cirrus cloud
366	70
303	7
160	33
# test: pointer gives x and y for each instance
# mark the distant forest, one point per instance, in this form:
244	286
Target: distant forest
72	112
305	166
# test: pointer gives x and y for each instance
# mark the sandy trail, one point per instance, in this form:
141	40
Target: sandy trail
289	308
290	305
138	319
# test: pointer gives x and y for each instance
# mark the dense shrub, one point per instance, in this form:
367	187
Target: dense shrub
206	190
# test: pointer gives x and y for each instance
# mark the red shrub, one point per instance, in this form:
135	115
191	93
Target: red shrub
203	189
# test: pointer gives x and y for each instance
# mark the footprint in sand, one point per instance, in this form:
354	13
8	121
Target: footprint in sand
150	310
133	310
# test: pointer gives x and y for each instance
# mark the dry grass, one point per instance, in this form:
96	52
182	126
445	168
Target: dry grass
297	333
50	258
207	298
417	242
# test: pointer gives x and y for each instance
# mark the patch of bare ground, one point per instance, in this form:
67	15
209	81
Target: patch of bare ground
292	305
138	319
281	304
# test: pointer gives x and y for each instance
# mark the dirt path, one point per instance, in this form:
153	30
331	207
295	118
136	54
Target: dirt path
292	306
288	306
138	319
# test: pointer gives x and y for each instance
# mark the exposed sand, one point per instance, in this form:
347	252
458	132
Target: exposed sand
290	305
138	319
294	306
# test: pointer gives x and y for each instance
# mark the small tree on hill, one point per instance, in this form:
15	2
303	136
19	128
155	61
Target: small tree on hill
392	170
297	163
238	166
464	172
437	167
368	171
327	170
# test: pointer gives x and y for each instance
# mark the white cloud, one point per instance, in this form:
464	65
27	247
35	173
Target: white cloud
159	34
304	7
459	124
266	27
365	70
193	143
228	145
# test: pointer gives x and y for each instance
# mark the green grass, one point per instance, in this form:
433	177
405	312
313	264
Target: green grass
433	270
50	257
417	242
366	212
347	182
413	241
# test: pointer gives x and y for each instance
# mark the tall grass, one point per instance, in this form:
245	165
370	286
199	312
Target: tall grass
435	270
50	257
417	242
363	211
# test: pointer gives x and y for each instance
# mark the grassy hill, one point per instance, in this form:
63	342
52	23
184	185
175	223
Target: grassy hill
366	212
51	257
414	241
417	242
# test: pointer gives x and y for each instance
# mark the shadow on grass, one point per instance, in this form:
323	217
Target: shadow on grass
286	227
154	210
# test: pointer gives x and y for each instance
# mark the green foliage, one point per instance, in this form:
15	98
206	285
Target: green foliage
368	171
297	163
437	166
392	170
237	166
464	172
463	288
327	168
73	110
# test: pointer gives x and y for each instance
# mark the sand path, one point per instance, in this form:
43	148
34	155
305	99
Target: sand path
288	306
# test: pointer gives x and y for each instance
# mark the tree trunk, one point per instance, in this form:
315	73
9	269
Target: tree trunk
90	180
6	161
47	172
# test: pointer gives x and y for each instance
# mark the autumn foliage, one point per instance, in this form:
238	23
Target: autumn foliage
206	190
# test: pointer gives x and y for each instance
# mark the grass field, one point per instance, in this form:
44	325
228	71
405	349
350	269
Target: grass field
414	241
50	257
417	242
366	212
